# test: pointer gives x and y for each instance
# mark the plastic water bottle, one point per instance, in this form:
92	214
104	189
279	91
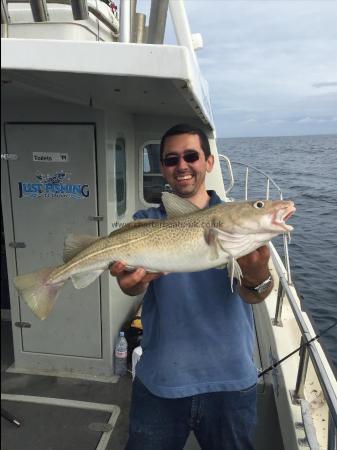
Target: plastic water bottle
121	355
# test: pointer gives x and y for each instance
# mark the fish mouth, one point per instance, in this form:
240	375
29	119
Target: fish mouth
282	215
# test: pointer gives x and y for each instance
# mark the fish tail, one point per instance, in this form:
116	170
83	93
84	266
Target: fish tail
39	296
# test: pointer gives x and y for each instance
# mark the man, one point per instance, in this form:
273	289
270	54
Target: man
196	371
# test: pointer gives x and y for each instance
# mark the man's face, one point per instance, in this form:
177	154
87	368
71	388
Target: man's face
186	179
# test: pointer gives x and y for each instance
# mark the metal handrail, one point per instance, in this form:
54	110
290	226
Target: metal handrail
284	289
249	166
323	377
268	181
113	27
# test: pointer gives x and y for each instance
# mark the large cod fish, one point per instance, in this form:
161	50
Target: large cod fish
189	240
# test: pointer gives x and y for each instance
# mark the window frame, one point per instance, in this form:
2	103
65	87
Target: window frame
141	171
119	215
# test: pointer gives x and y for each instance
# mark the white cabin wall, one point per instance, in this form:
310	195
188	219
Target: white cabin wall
119	125
110	125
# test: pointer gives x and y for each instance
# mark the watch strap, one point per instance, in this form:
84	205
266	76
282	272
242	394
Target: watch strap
260	286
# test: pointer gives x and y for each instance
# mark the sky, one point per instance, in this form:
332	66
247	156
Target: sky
271	65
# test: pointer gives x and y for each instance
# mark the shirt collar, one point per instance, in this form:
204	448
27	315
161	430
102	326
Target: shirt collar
214	198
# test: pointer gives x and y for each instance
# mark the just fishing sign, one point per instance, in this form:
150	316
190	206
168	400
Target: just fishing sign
53	186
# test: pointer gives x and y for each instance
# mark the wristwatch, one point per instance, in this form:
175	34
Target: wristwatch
262	287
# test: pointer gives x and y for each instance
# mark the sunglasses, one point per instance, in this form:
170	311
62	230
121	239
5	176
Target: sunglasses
189	157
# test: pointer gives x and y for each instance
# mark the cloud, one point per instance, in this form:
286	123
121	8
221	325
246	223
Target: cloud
268	61
325	84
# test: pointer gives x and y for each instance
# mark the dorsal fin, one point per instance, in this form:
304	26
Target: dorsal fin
129	226
176	206
75	243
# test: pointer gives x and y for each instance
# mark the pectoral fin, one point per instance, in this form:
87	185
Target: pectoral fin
222	241
234	271
228	243
211	237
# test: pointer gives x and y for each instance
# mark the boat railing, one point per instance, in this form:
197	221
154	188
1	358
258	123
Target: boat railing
269	183
80	11
128	26
285	286
307	350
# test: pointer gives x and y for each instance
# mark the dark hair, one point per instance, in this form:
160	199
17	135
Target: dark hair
184	128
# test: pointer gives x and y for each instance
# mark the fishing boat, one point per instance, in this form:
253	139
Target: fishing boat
87	92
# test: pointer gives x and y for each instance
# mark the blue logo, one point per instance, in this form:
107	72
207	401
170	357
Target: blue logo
53	186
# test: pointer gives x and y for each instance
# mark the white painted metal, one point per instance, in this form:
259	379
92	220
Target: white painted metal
39	10
197	41
140	34
181	24
157	21
100	21
80	9
43	220
277	342
125	21
5	18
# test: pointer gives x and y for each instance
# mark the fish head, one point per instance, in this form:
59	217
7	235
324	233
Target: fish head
259	216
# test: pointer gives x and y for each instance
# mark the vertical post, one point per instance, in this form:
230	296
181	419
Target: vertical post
246	184
286	257
181	25
158	15
302	373
5	18
332	434
267	193
125	21
79	9
39	10
140	34
279	303
133	20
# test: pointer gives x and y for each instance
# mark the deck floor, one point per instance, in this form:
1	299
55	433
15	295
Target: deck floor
48	423
47	426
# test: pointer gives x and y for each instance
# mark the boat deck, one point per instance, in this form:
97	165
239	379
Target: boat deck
58	413
78	423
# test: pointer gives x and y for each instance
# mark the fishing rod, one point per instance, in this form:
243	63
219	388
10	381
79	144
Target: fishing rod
305	344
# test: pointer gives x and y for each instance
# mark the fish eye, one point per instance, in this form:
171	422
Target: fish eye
258	204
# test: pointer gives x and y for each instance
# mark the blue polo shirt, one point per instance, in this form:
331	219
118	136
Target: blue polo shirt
197	334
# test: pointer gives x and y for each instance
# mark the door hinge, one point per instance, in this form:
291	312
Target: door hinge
17	244
8	156
23	324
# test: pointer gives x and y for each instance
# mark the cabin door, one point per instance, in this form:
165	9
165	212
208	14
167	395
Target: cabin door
53	190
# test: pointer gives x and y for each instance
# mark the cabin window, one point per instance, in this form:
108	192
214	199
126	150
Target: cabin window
120	176
153	181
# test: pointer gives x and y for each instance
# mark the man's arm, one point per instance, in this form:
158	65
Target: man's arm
132	283
255	270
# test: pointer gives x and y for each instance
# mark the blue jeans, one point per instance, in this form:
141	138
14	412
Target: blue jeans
220	420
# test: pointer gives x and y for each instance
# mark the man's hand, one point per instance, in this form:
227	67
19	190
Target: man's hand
255	270
132	283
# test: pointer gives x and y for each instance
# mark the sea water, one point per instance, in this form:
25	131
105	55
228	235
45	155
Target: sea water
305	168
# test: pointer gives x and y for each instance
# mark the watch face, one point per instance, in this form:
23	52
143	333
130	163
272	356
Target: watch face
264	286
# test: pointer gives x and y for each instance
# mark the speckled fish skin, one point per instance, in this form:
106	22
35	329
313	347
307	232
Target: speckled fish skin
179	244
200	240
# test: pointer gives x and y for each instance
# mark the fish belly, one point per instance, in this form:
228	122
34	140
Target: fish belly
174	261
